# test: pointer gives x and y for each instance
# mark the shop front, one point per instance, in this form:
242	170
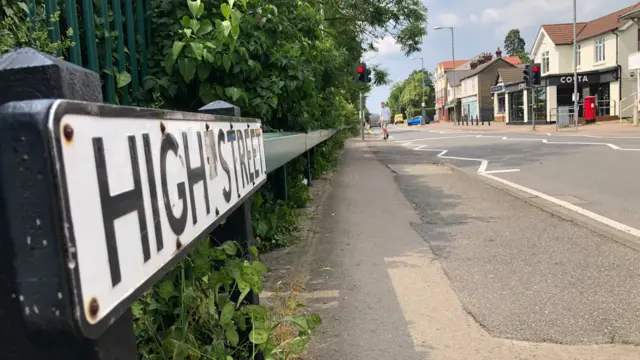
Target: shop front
470	107
603	84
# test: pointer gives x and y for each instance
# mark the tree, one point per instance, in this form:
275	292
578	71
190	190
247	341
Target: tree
405	96
514	45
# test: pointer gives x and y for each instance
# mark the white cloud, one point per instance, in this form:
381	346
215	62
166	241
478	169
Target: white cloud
448	19
474	19
520	14
387	45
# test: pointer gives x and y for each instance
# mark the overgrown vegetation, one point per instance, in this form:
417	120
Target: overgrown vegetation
17	29
197	312
287	62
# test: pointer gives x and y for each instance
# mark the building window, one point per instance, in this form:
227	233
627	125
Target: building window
545	62
578	55
540	94
600	50
516	106
501	103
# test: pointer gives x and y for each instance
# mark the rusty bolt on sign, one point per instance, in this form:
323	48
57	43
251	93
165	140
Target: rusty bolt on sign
67	130
94	307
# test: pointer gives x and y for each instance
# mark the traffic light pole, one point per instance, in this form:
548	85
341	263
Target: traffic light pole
362	120
533	106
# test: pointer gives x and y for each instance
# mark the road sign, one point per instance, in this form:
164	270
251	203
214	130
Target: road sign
137	189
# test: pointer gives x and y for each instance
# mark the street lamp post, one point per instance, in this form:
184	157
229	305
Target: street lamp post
453	66
422	102
575	69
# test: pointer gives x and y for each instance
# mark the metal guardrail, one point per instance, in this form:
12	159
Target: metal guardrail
70	169
282	147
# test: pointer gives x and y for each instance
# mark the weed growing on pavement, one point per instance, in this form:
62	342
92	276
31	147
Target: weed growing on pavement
199	311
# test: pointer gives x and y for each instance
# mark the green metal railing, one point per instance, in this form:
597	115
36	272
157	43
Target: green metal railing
106	40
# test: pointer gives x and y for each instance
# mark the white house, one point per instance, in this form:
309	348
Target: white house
603	46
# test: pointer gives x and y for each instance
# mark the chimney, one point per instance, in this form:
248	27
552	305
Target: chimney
474	65
499	52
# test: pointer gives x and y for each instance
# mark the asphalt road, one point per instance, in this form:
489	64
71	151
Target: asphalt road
596	174
519	271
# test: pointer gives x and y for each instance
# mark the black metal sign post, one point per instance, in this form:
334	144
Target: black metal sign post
36	310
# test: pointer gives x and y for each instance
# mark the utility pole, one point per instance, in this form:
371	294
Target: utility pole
575	68
636	98
453	58
361	116
422	102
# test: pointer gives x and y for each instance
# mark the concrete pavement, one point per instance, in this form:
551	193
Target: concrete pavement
416	261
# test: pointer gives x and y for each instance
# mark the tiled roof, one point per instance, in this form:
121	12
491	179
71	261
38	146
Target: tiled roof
513	60
562	34
459	75
480	68
605	23
449	64
511	75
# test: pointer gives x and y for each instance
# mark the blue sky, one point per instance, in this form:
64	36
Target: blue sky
480	26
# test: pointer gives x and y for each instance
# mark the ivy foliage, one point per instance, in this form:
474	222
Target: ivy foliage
17	29
286	62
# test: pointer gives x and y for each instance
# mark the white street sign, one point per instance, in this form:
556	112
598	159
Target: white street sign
137	188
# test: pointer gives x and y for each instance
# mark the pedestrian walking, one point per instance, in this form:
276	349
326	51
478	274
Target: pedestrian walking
385	116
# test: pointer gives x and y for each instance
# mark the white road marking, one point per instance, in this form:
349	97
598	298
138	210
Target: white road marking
437	138
500	171
544	141
602	219
483	162
482	170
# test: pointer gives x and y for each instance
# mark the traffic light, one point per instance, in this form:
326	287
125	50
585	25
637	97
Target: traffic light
361	72
535	74
527	75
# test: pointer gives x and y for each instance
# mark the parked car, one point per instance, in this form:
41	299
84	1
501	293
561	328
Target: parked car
416	120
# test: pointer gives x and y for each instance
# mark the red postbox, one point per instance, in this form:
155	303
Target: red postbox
589	109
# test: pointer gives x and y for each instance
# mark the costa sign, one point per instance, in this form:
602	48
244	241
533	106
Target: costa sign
569	79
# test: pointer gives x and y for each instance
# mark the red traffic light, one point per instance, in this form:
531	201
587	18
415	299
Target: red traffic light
536	68
360	69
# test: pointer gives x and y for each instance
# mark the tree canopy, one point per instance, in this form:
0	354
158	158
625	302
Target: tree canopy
514	45
405	96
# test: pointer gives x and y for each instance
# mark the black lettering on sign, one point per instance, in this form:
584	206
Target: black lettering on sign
260	141
179	223
212	153
253	151
119	205
195	175
226	192
153	191
231	138
249	151
242	155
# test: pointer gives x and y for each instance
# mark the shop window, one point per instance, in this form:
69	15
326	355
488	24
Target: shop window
501	103
600	50
545	62
516	106
540	102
